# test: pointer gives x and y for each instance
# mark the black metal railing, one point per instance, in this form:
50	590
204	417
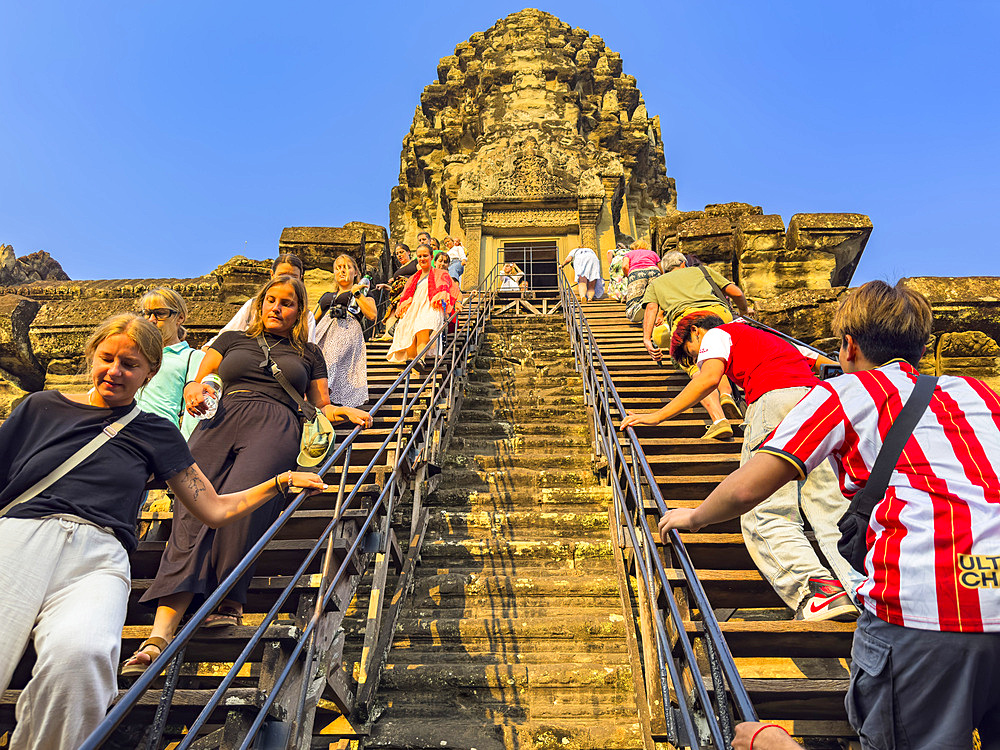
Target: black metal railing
408	447
690	717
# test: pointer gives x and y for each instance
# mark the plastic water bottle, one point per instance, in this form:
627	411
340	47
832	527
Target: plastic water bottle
366	285
213	406
214	384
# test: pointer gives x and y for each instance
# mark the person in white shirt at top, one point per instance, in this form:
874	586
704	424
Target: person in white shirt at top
586	273
286	264
511	278
456	257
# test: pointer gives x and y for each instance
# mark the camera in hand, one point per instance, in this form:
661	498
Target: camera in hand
830	371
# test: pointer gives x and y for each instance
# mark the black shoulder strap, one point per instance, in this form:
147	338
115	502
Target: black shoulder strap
325	303
715	287
308	409
864	502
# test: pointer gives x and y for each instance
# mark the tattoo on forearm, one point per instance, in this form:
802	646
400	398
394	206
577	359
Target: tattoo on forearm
193	483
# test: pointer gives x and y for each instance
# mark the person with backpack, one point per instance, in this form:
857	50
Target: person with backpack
925	662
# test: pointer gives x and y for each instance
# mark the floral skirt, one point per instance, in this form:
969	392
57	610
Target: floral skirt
635	289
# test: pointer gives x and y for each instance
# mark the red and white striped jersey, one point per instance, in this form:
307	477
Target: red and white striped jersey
933	558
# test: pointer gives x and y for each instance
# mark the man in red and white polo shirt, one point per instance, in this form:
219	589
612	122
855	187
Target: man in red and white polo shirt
926	659
774	376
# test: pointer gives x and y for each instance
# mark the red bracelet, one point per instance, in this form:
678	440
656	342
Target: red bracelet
761	729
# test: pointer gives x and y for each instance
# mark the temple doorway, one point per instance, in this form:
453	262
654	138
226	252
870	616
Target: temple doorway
536	258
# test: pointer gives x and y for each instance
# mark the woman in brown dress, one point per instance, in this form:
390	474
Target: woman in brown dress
255	432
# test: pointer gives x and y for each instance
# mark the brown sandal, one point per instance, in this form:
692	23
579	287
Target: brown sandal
224	617
132	667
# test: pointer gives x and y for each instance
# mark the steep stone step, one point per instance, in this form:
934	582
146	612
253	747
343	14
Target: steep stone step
476	635
514	523
554	651
503	390
541	348
502	460
489	554
539	413
512	594
480	443
554	690
503	428
468	732
523	397
493	368
523	497
516	478
517	375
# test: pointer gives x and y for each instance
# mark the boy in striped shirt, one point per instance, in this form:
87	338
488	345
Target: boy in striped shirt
926	657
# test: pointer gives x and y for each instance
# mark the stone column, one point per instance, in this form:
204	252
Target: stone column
471	216
606	224
590	212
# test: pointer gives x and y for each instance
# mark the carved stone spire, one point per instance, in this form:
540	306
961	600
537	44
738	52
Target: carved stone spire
522	112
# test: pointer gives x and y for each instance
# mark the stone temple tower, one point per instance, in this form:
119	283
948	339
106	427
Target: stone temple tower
531	142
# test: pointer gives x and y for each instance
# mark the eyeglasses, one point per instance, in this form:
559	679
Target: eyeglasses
160	313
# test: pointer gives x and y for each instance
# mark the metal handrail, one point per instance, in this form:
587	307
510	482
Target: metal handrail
452	361
632	481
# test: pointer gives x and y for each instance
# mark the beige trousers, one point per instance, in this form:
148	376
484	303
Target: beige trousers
64	585
774	531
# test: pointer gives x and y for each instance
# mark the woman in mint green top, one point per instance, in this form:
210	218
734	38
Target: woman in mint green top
164	394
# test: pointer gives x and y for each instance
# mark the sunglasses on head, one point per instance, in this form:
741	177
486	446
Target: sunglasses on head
160	313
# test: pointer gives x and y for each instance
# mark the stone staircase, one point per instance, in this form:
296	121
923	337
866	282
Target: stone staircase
514	635
796	673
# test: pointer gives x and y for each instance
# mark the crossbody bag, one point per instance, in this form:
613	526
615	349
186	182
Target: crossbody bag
318	437
853	544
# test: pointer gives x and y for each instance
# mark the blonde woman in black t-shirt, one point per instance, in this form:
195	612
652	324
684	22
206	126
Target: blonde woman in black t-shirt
255	432
64	571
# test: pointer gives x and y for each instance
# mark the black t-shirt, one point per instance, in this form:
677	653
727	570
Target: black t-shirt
241	368
47	428
407	270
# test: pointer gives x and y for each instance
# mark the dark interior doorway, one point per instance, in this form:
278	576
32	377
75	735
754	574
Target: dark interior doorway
536	259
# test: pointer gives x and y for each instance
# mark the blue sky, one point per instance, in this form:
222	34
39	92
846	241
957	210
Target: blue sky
154	139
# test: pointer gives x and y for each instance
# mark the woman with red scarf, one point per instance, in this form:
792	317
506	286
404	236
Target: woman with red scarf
426	299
